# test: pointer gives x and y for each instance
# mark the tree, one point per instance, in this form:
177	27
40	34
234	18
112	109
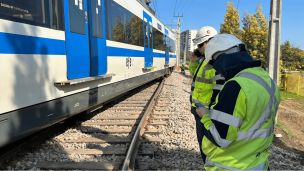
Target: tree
231	23
292	57
249	36
188	55
119	30
255	34
262	37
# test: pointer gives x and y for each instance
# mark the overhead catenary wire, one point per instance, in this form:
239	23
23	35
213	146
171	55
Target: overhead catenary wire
174	12
183	6
154	8
179	5
188	6
157	9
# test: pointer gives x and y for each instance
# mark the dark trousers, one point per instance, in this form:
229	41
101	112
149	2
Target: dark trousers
199	131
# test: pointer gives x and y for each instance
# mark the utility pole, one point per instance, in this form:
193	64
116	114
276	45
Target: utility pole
178	40
273	58
185	49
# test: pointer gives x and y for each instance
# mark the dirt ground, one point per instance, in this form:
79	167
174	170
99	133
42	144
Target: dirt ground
291	115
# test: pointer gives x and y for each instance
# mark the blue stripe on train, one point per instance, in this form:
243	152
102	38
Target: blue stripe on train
159	55
114	51
20	44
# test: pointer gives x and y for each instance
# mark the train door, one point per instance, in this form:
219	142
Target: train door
167	57
97	37
84	33
148	40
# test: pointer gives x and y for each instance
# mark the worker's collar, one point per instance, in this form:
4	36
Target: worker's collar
231	64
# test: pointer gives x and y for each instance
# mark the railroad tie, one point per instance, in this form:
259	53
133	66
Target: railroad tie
161	113
122	123
130	105
114	140
113	117
160	117
153	131
107	131
149	139
134	102
108	151
127	108
76	165
157	122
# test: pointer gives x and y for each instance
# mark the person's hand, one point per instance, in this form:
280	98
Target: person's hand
201	111
194	58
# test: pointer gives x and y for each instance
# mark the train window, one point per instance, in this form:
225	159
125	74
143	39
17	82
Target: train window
115	21
158	40
150	34
77	17
159	26
171	45
146	34
45	13
97	19
122	25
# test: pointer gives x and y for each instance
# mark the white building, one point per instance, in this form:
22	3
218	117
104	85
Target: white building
191	35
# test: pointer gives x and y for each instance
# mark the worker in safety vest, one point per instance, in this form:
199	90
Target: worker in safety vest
206	83
238	130
183	69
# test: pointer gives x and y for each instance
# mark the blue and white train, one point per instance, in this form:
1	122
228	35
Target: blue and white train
61	57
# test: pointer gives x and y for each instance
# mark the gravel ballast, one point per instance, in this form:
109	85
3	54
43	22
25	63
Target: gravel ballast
178	151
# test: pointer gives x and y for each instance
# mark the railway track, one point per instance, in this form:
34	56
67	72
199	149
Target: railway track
109	138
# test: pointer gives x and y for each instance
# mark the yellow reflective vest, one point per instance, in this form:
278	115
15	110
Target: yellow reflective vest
201	90
251	125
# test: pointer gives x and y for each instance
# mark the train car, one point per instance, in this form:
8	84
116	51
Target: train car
61	57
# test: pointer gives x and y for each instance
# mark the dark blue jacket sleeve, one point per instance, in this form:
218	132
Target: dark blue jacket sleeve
226	103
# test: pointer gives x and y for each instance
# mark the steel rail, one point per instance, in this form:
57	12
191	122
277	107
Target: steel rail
129	161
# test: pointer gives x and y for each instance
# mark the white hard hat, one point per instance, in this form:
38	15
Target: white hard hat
222	43
204	34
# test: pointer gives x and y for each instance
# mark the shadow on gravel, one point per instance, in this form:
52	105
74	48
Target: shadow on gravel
287	143
171	158
186	76
53	150
186	91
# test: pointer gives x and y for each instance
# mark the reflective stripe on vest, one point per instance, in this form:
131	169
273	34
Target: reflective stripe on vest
226	118
217	77
254	132
210	163
204	80
217	87
196	101
193	81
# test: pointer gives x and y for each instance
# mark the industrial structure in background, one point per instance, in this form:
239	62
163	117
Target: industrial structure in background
186	40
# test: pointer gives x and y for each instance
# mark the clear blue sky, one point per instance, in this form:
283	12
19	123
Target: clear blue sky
199	13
